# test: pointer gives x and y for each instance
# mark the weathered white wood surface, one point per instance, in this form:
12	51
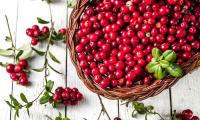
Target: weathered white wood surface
22	14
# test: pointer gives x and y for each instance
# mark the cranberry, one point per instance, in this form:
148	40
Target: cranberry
60	90
104	83
14	76
63	31
45	30
187	55
10	68
138	70
79	96
57	97
187	113
164	46
35	27
120	65
36	33
65	95
79	48
23	63
23	81
18	68
34	41
29	32
119	74
129	83
117	118
195	45
147	80
103	70
163	10
195	118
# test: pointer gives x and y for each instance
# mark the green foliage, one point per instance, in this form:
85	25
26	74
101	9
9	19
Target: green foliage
41	21
163	64
60	117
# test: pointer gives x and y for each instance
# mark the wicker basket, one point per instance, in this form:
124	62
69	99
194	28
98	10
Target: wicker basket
138	92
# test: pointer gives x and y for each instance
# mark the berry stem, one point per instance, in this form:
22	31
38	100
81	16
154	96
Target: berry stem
103	109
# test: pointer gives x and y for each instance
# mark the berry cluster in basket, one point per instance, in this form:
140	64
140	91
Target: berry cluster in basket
38	35
67	96
116	37
18	72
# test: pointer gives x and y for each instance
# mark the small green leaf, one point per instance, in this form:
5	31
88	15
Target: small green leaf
28	112
16	113
10	104
3	64
8	39
38	69
19	54
53	58
164	63
174	70
27	54
42	37
41	21
159	73
152	66
29	105
156	53
49	85
15	102
44	99
41	53
169	55
54	69
23	98
6	53
24	47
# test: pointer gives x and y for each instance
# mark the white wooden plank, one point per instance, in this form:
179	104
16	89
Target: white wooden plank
28	11
185	94
91	103
6	82
160	102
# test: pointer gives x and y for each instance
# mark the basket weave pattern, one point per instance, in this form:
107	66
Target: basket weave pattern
138	92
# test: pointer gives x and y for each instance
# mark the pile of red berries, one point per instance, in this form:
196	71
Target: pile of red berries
18	72
38	35
187	115
67	96
116	37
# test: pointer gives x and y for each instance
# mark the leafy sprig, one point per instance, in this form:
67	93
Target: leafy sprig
162	64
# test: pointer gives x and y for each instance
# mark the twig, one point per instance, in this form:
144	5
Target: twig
103	109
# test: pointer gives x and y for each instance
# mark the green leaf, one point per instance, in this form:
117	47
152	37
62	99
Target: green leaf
8	39
28	112
15	102
44	99
19	54
49	85
174	70
16	113
152	66
146	116
3	64
156	53
41	53
42	38
10	104
170	56
6	53
27	54
38	69
164	63
29	105
41	21
159	73
53	57
54	69
24	47
23	98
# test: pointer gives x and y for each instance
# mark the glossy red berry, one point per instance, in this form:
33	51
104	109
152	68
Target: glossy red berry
10	68
195	118
63	30
45	30
14	76
187	113
18	68
23	81
23	63
34	41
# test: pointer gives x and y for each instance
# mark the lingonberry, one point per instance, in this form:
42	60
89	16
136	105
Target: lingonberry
14	76
45	30
23	63
117	118
63	31
23	81
18	68
10	68
195	118
34	41
187	113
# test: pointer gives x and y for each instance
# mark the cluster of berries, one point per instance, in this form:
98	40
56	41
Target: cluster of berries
38	35
18	72
67	96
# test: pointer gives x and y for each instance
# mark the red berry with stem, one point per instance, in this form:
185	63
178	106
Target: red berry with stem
23	63
45	30
34	41
14	76
23	81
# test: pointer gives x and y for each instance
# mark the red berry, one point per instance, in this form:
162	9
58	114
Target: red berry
60	90
63	30
195	118
23	63
104	83
187	113
65	95
79	96
14	76
23	81
45	30
29	32
18	68
35	27
10	68
57	97
34	41
117	118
